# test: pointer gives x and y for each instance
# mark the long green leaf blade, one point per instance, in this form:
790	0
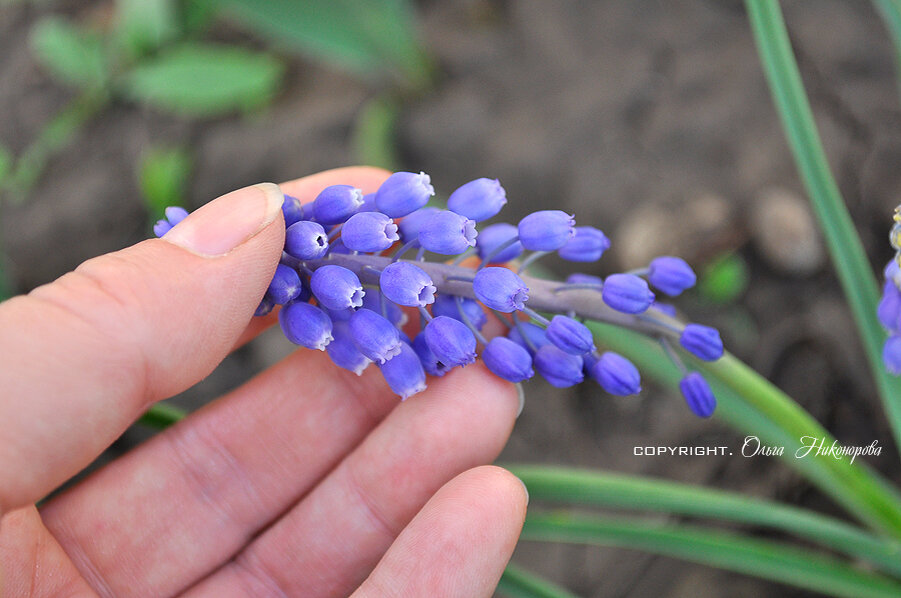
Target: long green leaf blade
775	561
845	247
751	404
518	583
609	490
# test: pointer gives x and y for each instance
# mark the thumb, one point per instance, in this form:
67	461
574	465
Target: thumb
85	355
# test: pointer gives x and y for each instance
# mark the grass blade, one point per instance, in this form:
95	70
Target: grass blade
518	583
767	559
854	272
603	489
751	404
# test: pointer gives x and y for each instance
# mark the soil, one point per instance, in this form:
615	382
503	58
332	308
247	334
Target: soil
605	110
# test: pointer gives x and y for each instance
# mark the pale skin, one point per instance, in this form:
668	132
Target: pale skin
304	481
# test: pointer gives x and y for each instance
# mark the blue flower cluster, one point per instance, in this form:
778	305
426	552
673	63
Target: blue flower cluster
341	293
889	310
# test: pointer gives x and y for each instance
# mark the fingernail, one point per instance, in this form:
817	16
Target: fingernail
521	395
228	221
524	489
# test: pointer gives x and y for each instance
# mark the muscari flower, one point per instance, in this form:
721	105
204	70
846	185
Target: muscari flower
451	341
306	240
404	372
306	325
369	232
492	237
672	275
697	394
616	374
356	328
508	359
337	203
336	287
588	244
500	289
403	193
407	284
702	341
448	233
547	230
627	293
478	200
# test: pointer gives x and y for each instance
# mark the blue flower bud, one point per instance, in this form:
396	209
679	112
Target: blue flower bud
403	193
343	352
536	335
368	203
587	245
508	359
430	363
306	325
369	232
492	237
451	341
407	284
672	275
285	285
446	305
336	287
547	230
175	214
586	279
891	355
266	305
893	272
293	210
558	367
161	227
570	335
478	200
410	225
306	240
616	374
627	293
889	310
375	337
697	394
337	203
500	289
404	373
372	300
448	233
702	341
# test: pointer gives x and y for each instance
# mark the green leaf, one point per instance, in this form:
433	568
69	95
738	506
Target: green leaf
6	164
724	279
373	135
71	54
368	37
145	25
196	79
162	176
610	490
845	247
890	11
750	403
517	583
162	415
775	561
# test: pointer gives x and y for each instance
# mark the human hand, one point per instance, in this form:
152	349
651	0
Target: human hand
305	481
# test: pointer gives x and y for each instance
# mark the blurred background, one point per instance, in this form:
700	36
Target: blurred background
650	120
